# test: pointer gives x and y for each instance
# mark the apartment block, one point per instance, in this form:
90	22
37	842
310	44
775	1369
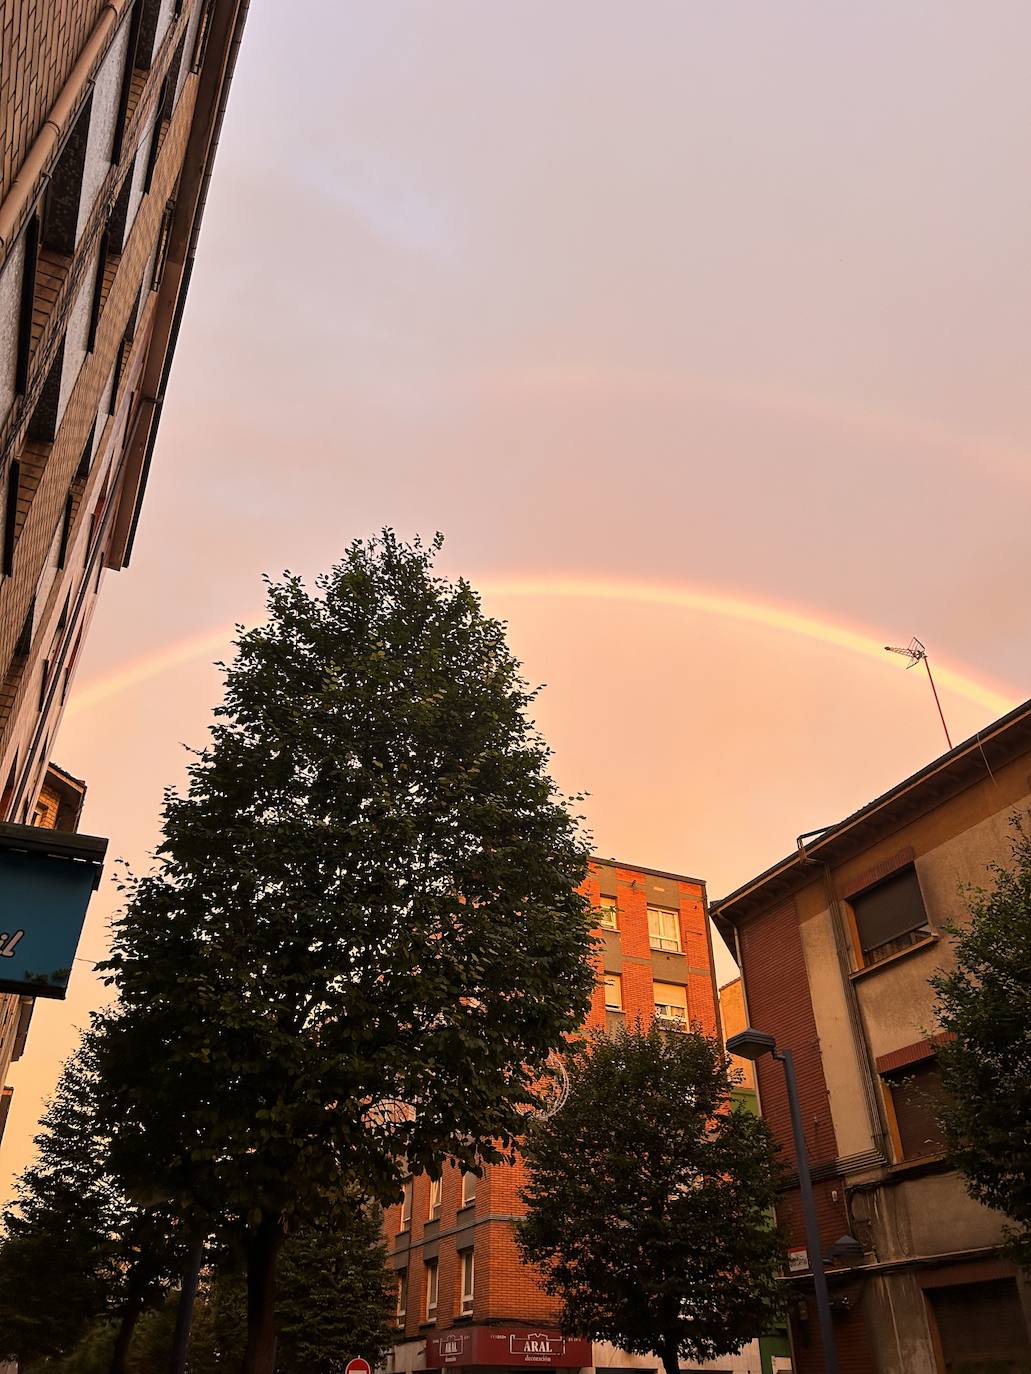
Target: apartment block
465	1298
836	944
109	117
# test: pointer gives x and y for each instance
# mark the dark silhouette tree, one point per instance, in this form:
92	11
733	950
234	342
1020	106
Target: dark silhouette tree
74	1245
363	937
984	1004
650	1200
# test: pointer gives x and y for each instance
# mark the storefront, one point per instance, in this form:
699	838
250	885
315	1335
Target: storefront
506	1347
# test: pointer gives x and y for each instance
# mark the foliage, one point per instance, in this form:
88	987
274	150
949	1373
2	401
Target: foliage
363	937
71	1231
650	1200
984	1002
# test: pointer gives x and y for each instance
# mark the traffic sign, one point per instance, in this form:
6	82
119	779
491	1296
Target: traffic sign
358	1366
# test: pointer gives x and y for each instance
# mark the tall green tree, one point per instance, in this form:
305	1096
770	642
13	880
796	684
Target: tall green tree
363	937
650	1200
984	1003
72	1232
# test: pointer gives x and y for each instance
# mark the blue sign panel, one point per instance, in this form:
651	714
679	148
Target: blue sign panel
43	901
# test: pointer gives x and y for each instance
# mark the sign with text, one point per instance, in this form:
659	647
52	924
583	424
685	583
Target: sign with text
515	1347
798	1260
46	881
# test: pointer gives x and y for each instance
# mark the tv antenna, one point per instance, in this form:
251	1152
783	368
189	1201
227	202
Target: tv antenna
916	653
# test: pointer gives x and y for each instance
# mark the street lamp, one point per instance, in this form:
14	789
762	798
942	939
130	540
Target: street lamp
753	1044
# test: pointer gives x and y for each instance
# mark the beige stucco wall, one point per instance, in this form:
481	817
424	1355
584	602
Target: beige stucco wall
953	846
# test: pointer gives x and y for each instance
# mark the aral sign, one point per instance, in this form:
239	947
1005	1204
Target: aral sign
46	881
512	1347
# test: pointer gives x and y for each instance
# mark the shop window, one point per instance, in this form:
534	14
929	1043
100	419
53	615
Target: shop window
435	1198
468	1188
914	1095
468	1272
607	913
431	1290
613	992
981	1327
671	1004
663	929
889	916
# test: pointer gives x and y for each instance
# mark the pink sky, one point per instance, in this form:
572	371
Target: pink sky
731	299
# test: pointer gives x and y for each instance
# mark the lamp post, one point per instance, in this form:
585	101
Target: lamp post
753	1044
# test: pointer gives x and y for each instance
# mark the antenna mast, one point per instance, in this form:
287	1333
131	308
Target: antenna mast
916	653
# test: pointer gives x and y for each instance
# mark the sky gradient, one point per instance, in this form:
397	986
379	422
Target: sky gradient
690	326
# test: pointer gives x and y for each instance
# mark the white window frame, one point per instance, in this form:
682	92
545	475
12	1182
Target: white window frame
613	981
436	1198
401	1310
469	1179
670	1011
608	915
432	1277
406	1205
468	1284
658	938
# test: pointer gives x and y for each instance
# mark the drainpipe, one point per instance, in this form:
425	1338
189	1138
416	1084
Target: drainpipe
21	196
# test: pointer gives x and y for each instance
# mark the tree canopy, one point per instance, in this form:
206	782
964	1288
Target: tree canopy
650	1200
984	1004
363	936
71	1231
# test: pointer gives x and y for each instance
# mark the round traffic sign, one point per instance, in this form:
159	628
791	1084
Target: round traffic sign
358	1366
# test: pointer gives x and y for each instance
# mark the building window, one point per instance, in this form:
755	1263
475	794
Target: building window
468	1278
468	1188
64	192
914	1097
663	928
402	1296
671	1003
436	1195
607	913
431	1290
613	992
406	1205
889	916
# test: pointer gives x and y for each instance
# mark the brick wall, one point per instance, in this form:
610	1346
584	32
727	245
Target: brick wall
779	1002
20	722
506	1289
40	41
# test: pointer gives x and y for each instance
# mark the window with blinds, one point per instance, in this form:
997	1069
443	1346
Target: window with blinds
890	916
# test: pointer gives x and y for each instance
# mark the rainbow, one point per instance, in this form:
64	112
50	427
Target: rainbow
699	600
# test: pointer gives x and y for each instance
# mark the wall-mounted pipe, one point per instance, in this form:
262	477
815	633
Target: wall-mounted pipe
19	199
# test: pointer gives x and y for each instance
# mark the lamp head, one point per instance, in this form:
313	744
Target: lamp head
751	1044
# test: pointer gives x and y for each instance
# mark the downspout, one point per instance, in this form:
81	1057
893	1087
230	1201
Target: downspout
21	196
187	273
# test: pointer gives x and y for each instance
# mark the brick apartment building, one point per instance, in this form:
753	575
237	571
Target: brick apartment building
109	119
464	1297
836	945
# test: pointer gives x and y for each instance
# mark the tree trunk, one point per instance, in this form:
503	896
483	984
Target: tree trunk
184	1312
670	1355
262	1247
126	1327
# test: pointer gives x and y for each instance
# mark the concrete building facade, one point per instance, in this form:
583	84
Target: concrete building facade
465	1298
836	945
109	114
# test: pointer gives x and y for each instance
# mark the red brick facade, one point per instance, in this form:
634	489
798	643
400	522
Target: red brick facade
506	1289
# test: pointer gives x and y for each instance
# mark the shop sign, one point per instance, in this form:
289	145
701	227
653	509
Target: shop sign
798	1260
512	1347
46	881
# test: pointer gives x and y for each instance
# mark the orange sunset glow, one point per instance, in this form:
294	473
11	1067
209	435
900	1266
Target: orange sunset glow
700	331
